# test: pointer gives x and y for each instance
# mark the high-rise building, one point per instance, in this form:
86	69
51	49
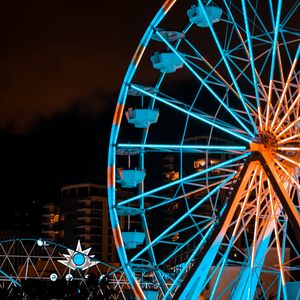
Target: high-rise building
50	221
82	214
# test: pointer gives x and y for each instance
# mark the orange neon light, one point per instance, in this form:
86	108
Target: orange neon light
289	159
288	127
284	91
287	113
289	148
276	235
289	138
287	173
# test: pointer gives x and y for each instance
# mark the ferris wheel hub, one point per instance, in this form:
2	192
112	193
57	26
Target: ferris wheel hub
263	147
267	139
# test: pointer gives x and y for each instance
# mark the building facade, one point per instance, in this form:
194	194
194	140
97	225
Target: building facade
82	214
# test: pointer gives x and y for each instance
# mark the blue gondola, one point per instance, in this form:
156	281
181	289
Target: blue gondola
130	178
196	15
166	62
142	117
132	239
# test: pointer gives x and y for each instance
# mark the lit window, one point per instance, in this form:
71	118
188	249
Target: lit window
199	163
214	161
172	175
175	237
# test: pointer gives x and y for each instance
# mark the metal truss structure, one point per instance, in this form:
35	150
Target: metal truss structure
216	110
24	260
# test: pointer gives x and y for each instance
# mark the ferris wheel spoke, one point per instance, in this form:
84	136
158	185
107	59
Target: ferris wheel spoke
252	62
292	124
224	56
212	77
289	15
250	56
167	200
278	246
191	108
289	149
287	159
189	261
234	115
286	87
212	68
291	178
260	26
199	272
273	59
181	148
247	284
234	234
184	216
282	194
194	115
186	179
287	113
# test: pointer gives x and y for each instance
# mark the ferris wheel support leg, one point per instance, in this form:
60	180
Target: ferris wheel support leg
194	282
249	279
267	161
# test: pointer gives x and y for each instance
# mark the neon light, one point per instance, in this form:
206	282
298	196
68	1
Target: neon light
287	173
207	86
252	61
287	113
166	186
234	23
211	67
195	285
182	196
288	127
288	159
289	148
228	69
184	216
286	86
289	138
194	115
274	218
274	48
10	279
192	147
232	239
188	262
257	214
242	288
78	259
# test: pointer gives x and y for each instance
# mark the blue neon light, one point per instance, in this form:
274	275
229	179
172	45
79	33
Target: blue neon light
196	147
10	279
194	115
198	174
78	259
211	90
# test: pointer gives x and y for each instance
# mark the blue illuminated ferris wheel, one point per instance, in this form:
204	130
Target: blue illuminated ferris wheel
203	167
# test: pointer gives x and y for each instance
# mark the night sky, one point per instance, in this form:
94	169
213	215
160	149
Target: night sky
61	67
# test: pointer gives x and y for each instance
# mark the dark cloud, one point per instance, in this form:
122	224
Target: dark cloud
56	53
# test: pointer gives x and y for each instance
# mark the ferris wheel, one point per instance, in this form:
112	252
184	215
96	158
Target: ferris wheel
206	139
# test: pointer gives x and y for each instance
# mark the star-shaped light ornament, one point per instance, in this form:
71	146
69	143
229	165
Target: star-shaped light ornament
78	259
